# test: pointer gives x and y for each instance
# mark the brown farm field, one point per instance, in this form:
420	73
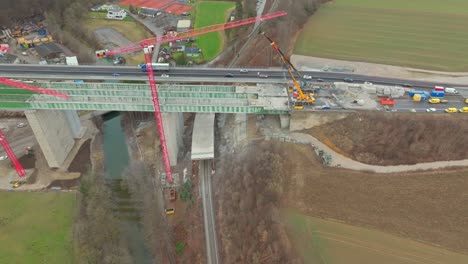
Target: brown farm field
426	34
395	139
326	241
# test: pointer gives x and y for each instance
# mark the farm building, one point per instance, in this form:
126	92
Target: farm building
49	50
149	12
183	25
116	13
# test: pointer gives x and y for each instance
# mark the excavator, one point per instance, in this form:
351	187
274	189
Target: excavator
302	98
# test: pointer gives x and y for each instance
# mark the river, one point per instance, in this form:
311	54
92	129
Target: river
116	159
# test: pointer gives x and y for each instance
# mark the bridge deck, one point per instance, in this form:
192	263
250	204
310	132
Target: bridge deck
137	97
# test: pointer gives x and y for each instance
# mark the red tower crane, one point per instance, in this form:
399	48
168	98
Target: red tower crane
3	141
147	46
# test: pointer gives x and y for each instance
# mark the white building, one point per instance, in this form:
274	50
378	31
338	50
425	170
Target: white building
116	13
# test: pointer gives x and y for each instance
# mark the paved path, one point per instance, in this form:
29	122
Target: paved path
212	255
339	160
157	31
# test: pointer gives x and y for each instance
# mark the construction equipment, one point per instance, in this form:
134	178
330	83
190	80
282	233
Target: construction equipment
147	45
302	98
3	141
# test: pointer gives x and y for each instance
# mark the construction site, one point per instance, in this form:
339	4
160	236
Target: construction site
292	170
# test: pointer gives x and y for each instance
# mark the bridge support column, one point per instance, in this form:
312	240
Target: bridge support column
284	121
75	124
53	133
173	130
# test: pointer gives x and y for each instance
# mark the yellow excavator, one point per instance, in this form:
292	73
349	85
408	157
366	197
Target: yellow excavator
302	98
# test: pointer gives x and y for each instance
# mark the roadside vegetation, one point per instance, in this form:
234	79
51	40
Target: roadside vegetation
396	139
36	227
427	34
210	13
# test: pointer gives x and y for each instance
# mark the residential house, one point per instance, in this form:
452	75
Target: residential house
116	13
149	12
177	46
192	51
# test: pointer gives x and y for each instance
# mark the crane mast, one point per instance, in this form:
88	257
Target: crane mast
147	46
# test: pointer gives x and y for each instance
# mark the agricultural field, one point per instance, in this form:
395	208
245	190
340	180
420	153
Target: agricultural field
36	227
426	34
325	241
210	13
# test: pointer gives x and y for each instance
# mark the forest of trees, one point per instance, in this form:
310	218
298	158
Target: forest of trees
62	18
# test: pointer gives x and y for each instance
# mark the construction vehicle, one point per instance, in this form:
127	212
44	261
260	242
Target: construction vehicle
147	45
451	110
302	98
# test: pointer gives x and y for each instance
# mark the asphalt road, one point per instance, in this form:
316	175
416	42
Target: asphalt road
216	74
212	255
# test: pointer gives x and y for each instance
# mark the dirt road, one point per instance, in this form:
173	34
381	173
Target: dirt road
339	160
212	254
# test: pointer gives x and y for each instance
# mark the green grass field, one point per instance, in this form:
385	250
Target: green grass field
325	241
210	13
36	227
427	34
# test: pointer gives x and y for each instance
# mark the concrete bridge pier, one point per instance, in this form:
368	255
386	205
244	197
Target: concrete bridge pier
173	129
55	131
285	121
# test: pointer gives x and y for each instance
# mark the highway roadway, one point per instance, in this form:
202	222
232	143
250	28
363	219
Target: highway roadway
189	75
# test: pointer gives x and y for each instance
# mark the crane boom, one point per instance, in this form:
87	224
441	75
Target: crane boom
188	34
33	88
11	155
147	46
302	97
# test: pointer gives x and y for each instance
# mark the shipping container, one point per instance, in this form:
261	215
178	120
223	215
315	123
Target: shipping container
295	94
438	94
439	88
387	101
413	92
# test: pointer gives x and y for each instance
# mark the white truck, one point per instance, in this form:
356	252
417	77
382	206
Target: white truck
451	90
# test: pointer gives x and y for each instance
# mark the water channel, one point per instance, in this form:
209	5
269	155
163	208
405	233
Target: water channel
116	159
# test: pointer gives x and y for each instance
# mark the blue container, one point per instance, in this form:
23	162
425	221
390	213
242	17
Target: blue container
424	97
413	92
42	32
438	94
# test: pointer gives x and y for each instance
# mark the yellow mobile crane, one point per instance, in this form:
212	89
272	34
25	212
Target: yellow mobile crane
301	98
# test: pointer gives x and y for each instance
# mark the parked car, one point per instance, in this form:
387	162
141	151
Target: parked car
319	80
307	77
3	157
368	83
116	74
243	71
164	75
431	110
463	110
348	80
229	75
21	125
263	76
406	85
